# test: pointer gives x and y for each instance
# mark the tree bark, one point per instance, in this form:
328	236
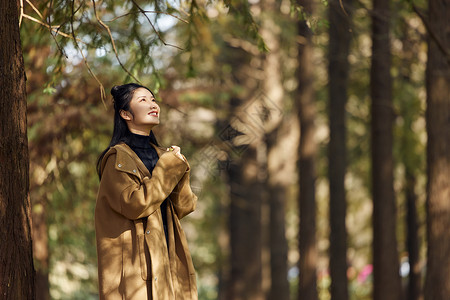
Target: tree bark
276	182
16	258
385	257
437	282
414	280
338	67
40	249
245	228
306	110
246	174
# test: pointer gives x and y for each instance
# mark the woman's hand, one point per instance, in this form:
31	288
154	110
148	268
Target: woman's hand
177	151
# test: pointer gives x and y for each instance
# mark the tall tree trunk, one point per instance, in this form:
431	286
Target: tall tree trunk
245	228
437	282
277	158
279	289
385	257
16	258
339	44
410	158
246	175
40	249
414	282
306	109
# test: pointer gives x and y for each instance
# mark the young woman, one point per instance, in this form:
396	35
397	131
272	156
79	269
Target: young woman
144	192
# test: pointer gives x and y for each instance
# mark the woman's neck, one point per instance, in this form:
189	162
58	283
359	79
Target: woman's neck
140	131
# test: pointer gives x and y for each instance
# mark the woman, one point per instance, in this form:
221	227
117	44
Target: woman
144	191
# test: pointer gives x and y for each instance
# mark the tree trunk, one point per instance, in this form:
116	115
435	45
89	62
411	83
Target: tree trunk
277	158
339	44
246	174
245	228
410	158
306	109
385	257
437	282
414	282
16	258
40	249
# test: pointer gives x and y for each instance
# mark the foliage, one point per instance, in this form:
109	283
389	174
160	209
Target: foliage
187	51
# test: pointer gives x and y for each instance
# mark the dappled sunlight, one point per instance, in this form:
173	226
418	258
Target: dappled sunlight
237	83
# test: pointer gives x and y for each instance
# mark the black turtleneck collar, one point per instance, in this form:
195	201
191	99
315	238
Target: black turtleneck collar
140	144
139	141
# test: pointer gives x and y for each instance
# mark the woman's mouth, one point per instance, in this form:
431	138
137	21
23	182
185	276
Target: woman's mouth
153	113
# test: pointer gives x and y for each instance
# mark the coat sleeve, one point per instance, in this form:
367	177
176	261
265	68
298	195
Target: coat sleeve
136	199
183	199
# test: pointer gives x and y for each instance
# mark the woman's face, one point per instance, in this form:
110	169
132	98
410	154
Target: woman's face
144	112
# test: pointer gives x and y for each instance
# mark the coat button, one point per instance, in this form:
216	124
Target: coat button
119	165
134	171
156	278
147	232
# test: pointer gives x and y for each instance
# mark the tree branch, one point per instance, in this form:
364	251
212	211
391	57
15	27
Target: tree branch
34	8
150	11
21	12
54	28
112	42
102	89
153	26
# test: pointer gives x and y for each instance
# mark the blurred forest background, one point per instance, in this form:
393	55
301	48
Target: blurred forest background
318	135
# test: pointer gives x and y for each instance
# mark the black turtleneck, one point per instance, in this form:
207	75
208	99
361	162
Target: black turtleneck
140	144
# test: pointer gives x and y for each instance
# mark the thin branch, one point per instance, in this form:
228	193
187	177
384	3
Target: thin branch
34	8
102	89
21	12
112	42
342	7
49	22
54	28
431	32
152	12
154	29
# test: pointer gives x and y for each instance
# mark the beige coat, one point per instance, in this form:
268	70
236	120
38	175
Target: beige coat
133	259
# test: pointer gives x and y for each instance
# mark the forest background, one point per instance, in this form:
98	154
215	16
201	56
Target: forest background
317	133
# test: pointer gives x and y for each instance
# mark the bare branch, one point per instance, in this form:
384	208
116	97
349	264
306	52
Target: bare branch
152	12
54	29
34	8
342	7
112	42
102	89
21	12
153	26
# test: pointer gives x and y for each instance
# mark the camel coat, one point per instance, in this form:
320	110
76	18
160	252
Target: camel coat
134	261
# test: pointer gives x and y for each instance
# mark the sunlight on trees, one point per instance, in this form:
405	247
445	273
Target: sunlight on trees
229	78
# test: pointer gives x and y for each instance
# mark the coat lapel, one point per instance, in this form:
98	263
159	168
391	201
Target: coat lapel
132	158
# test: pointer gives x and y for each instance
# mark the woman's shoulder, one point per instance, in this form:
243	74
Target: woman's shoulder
121	156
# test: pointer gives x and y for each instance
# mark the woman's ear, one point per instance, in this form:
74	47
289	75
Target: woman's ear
125	115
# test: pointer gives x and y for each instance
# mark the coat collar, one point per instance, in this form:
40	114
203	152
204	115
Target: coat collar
128	161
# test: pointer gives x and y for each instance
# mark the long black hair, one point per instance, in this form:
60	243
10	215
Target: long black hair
122	95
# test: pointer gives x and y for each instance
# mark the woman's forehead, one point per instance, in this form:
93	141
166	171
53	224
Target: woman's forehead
140	92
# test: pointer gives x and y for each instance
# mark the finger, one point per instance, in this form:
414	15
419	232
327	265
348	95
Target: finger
176	149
